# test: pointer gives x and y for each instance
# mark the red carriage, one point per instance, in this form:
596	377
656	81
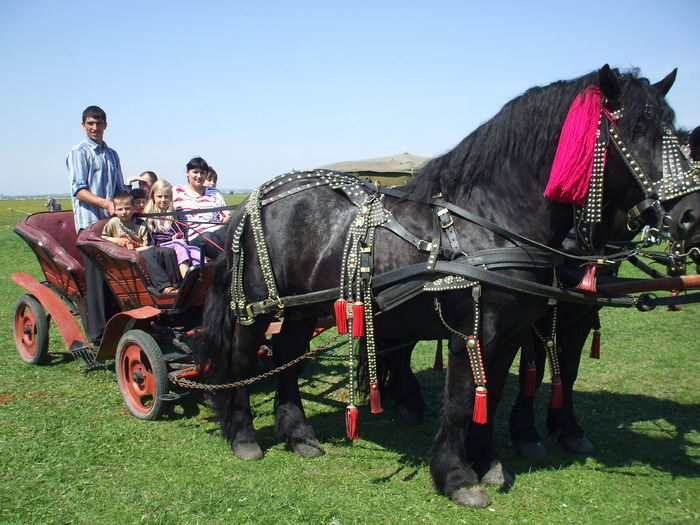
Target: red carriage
149	339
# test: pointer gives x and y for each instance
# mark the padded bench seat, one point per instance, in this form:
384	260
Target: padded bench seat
52	237
125	271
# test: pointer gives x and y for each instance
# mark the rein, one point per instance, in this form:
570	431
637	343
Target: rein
396	286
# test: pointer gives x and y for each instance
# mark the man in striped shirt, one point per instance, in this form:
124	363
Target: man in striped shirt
95	176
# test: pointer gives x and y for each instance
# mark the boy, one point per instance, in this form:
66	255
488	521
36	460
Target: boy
131	233
140	199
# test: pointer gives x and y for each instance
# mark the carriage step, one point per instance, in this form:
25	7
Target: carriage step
174	356
172	397
180	366
92	365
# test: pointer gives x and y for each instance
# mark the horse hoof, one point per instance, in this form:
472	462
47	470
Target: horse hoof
497	476
474	497
247	451
535	450
410	417
579	445
309	448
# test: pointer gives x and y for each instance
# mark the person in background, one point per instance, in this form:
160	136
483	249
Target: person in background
212	178
52	204
140	200
145	181
166	231
95	177
206	229
131	233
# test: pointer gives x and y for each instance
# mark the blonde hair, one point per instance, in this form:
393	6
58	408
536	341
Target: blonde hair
151	206
123	197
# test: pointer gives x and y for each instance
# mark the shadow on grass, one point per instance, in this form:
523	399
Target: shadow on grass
625	429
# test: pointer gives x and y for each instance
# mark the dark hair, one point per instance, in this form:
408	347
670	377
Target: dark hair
198	162
151	175
213	175
94	112
138	193
123	196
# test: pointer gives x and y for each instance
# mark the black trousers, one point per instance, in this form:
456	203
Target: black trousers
100	303
163	269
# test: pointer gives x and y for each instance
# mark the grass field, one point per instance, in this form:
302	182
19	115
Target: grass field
72	454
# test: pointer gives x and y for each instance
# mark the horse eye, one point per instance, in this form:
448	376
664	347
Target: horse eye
639	130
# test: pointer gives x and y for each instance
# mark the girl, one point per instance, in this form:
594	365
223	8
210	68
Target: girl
165	231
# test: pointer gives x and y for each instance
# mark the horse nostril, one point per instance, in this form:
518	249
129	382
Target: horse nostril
689	217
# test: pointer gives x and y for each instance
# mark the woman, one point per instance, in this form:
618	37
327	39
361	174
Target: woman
206	229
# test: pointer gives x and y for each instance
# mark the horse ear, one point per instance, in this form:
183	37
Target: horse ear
694	143
609	84
664	85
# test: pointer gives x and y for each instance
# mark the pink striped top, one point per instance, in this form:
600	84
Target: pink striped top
200	222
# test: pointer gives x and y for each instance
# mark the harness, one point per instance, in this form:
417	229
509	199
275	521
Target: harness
445	256
447	266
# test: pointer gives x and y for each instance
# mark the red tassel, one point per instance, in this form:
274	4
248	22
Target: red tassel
341	316
530	379
557	399
358	319
588	281
479	415
573	163
674	307
267	355
375	401
351	421
595	345
437	364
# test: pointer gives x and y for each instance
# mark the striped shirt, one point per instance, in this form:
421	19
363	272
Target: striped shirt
97	169
200	222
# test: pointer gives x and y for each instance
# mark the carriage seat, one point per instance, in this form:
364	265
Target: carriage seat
52	237
125	271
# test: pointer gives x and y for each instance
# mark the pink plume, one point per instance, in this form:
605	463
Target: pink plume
573	162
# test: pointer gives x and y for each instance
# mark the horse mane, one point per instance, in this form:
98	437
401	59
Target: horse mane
524	133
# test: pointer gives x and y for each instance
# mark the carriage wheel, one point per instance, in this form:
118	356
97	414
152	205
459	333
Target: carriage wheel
31	330
141	374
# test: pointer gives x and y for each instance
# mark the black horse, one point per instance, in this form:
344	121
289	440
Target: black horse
576	321
473	265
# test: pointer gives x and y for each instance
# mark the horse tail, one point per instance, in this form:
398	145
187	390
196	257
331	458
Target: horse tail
215	342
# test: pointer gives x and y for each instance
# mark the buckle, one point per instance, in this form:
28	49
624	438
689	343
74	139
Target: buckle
424	246
445	218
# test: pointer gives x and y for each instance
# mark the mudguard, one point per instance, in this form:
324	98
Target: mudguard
68	327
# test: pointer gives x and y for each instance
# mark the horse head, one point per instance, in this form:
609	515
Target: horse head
632	139
679	189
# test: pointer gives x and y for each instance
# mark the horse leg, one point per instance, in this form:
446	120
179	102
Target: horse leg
291	425
448	462
237	418
523	431
563	420
398	382
498	355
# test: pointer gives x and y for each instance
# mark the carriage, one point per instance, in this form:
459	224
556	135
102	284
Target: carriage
150	339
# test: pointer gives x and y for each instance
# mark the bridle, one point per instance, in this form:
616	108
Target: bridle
679	178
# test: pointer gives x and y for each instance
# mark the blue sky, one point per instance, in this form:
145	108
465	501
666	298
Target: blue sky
260	88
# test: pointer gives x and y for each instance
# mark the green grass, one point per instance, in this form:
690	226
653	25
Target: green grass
72	454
